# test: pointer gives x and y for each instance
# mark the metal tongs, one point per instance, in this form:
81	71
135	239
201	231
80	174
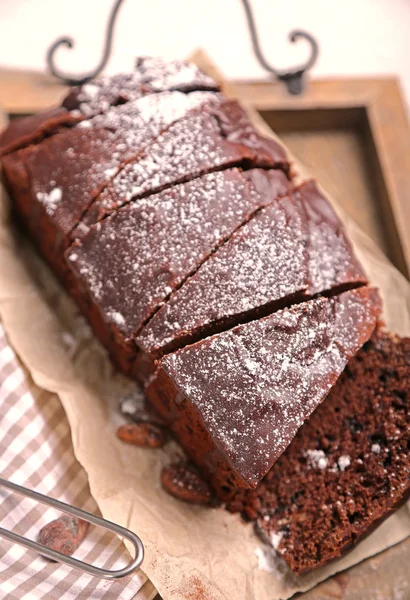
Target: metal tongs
86	516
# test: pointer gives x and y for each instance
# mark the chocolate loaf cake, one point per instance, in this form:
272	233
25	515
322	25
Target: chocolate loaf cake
235	400
171	221
128	264
347	468
288	252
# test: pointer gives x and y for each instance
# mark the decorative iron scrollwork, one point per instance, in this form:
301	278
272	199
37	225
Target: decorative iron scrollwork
292	78
69	43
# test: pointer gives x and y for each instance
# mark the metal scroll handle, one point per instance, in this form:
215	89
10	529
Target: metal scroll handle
69	42
292	78
86	516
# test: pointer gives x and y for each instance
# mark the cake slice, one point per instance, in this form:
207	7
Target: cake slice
348	467
53	183
235	400
83	102
129	263
212	138
288	252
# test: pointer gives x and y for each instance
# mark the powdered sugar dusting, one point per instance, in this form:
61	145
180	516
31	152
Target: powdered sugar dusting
133	260
317	459
144	118
93	156
151	75
267	260
269	561
275	539
65	186
90	90
177	74
343	462
190	147
130	404
253	414
51	199
116	317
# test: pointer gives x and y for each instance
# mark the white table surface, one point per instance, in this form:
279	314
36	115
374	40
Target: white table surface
357	37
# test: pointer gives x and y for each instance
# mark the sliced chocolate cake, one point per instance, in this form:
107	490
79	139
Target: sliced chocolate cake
288	252
347	468
129	263
235	297
235	400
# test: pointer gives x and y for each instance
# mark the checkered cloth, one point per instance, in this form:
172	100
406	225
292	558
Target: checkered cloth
36	451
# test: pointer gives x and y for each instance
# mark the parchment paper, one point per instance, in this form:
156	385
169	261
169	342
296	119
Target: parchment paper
192	553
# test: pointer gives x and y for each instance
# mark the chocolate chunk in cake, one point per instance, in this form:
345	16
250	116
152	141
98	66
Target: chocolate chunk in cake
54	182
235	400
347	468
152	76
289	251
130	262
195	145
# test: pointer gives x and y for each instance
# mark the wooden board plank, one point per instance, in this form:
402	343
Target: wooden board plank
25	92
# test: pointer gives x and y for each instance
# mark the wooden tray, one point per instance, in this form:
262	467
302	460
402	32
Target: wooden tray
353	135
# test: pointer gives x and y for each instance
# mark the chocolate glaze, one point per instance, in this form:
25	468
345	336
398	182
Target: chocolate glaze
216	136
289	251
28	130
130	262
235	400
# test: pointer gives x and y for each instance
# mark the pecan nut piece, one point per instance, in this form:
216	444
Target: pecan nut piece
183	482
64	534
146	435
